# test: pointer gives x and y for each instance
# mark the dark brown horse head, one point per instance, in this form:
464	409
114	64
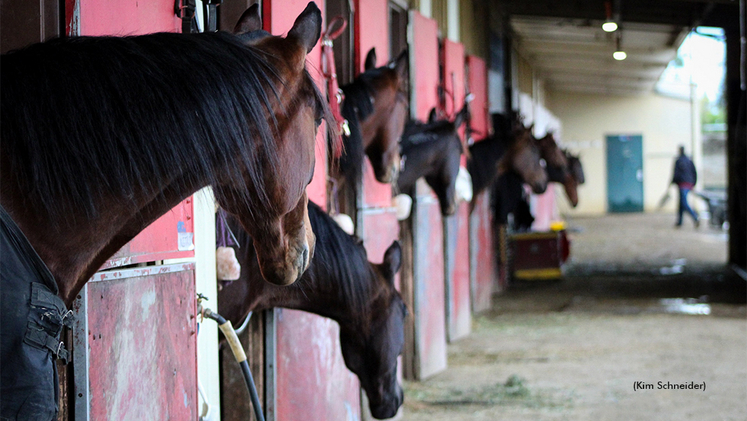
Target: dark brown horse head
558	166
551	152
243	119
382	129
371	353
523	157
343	285
279	222
573	177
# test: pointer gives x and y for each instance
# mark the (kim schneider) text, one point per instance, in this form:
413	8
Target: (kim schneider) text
641	385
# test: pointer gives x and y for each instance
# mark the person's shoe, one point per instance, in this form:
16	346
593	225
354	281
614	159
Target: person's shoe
678	225
697	223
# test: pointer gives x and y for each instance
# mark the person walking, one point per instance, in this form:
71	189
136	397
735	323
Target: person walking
685	176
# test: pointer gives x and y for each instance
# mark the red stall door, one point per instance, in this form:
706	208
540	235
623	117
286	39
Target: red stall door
427	229
372	31
482	268
311	381
135	336
456	227
477	83
482	255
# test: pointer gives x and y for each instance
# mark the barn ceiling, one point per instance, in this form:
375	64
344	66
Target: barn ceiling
566	45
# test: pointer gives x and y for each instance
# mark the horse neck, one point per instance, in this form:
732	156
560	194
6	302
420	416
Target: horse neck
425	158
77	248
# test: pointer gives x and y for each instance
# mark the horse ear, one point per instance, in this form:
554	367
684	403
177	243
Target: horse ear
308	27
249	21
401	66
392	260
432	115
370	60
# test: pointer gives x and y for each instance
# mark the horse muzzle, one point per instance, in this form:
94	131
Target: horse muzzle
388	407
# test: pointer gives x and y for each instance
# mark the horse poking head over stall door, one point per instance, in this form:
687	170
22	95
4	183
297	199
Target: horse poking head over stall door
511	148
433	150
559	168
102	135
375	107
340	284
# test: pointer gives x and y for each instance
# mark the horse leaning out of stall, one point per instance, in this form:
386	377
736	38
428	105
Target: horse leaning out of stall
559	168
375	106
102	135
433	150
511	148
340	284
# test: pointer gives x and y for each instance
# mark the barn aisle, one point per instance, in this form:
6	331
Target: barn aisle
642	302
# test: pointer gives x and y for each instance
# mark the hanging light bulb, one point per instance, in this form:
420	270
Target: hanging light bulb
609	25
619	54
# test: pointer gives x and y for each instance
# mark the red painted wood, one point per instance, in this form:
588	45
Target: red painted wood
169	237
142	345
425	64
375	194
485	260
430	304
544	209
129	17
312	380
453	77
371	31
477	76
460	315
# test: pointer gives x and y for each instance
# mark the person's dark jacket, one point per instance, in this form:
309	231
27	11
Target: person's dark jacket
684	171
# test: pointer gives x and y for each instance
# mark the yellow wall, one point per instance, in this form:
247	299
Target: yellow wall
587	119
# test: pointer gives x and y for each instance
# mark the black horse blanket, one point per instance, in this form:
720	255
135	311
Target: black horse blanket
31	320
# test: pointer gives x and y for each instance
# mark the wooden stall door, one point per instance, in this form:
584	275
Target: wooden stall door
311	381
428	300
482	255
482	270
135	337
456	227
135	345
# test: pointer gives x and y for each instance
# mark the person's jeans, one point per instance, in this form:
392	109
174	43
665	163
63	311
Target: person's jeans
685	207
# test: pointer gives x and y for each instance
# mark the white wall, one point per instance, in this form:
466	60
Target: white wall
664	122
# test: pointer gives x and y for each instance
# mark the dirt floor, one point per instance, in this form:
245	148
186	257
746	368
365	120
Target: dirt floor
641	303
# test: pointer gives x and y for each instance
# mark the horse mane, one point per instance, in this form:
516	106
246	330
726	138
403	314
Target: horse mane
86	117
356	107
340	264
417	133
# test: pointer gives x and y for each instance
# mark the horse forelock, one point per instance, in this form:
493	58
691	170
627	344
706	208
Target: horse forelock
125	116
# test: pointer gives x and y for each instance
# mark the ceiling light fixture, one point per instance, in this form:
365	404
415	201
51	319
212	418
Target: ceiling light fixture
610	25
619	54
